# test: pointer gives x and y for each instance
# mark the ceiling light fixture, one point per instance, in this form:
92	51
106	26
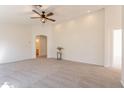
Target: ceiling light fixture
43	20
43	16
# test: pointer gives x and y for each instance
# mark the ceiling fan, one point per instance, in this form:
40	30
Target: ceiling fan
43	16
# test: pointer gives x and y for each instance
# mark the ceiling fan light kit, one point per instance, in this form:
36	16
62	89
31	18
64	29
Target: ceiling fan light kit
43	16
43	20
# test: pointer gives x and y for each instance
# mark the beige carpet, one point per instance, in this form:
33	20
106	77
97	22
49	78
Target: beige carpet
51	73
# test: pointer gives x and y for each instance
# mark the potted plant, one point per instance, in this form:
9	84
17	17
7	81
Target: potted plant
59	48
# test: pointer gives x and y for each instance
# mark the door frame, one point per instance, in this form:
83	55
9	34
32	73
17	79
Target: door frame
46	45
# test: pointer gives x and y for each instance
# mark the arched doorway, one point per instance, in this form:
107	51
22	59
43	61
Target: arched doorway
41	46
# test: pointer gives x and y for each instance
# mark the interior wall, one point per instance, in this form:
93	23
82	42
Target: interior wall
82	38
112	23
15	42
46	30
122	79
43	46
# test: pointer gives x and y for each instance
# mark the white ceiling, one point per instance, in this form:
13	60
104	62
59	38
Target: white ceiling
22	14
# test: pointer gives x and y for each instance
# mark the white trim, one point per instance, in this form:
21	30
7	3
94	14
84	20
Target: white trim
122	83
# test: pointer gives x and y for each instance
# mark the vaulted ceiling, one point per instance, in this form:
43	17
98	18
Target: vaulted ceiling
22	13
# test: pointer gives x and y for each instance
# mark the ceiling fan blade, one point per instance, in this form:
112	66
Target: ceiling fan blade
37	5
50	19
34	17
36	12
50	14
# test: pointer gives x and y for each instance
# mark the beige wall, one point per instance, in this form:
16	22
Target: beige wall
15	42
82	38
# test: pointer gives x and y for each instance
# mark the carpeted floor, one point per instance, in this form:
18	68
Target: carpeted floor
51	73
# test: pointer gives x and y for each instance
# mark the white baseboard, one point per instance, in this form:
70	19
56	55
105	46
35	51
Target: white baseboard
122	83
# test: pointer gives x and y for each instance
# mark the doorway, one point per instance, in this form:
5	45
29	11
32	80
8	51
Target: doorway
41	46
117	48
